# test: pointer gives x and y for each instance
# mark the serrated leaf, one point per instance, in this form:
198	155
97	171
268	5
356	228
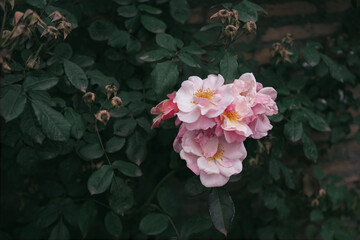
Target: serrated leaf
164	76
188	59
75	119
91	151
317	122
98	78
166	41
12	103
86	217
127	11
136	149
100	30
152	24
311	55
154	55
40	83
100	180
293	131
54	124
310	149
114	144
180	10
124	127
121	197
228	67
127	168
76	75
113	224
59	231
153	224
222	210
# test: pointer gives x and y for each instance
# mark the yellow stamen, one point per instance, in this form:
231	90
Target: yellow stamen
207	93
231	115
218	154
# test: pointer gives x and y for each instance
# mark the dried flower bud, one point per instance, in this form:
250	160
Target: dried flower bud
110	90
5	33
56	15
50	31
250	27
89	98
231	31
285	55
253	162
315	203
235	13
18	31
17	17
288	39
116	102
65	26
322	192
103	116
276	47
32	62
223	14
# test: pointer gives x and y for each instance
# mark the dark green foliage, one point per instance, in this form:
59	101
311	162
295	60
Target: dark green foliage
70	172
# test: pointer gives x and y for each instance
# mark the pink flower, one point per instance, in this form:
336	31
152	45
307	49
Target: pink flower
246	86
212	157
233	122
260	126
199	101
165	110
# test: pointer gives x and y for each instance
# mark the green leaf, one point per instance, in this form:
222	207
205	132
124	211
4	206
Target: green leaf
167	199
124	127
36	3
293	131
48	214
40	83
123	2
316	215
100	180
29	126
289	176
127	168
180	10
248	11
76	75
28	160
193	186
153	224
136	149
127	11
114	144
53	123
98	78
193	49
154	55
222	209
195	225
310	149
153	24
188	60
100	30
83	60
228	67
86	217
165	76
118	38
149	9
274	169
91	151
317	122
166	41
113	224
121	196
75	119
69	16
311	55
12	104
60	231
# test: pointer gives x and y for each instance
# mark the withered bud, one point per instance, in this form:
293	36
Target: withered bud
65	26
230	31
285	55
116	102
18	31
322	192
235	13
5	66
110	90
32	62
5	33
28	13
276	47
50	31
288	39
56	15
253	162
315	203
250	27
103	116
17	17
89	98
223	14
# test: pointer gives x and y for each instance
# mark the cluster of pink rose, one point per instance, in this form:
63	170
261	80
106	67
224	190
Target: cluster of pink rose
215	120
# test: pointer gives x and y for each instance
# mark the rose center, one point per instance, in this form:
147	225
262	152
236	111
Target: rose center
218	154
207	93
231	115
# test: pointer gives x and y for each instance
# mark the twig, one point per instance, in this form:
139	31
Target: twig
169	218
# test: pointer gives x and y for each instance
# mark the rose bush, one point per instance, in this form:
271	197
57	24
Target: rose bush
81	82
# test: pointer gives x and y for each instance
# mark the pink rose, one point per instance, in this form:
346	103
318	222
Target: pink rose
199	101
212	157
165	110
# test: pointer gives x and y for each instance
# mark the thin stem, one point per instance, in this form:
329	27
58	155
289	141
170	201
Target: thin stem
9	36
3	21
169	218
101	143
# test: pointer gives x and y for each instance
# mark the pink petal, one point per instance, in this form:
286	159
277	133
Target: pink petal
213	180
191	161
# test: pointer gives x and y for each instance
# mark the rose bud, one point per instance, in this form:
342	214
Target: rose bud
89	97
165	110
116	102
110	90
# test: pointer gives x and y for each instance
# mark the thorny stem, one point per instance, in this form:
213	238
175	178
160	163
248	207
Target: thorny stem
169	218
